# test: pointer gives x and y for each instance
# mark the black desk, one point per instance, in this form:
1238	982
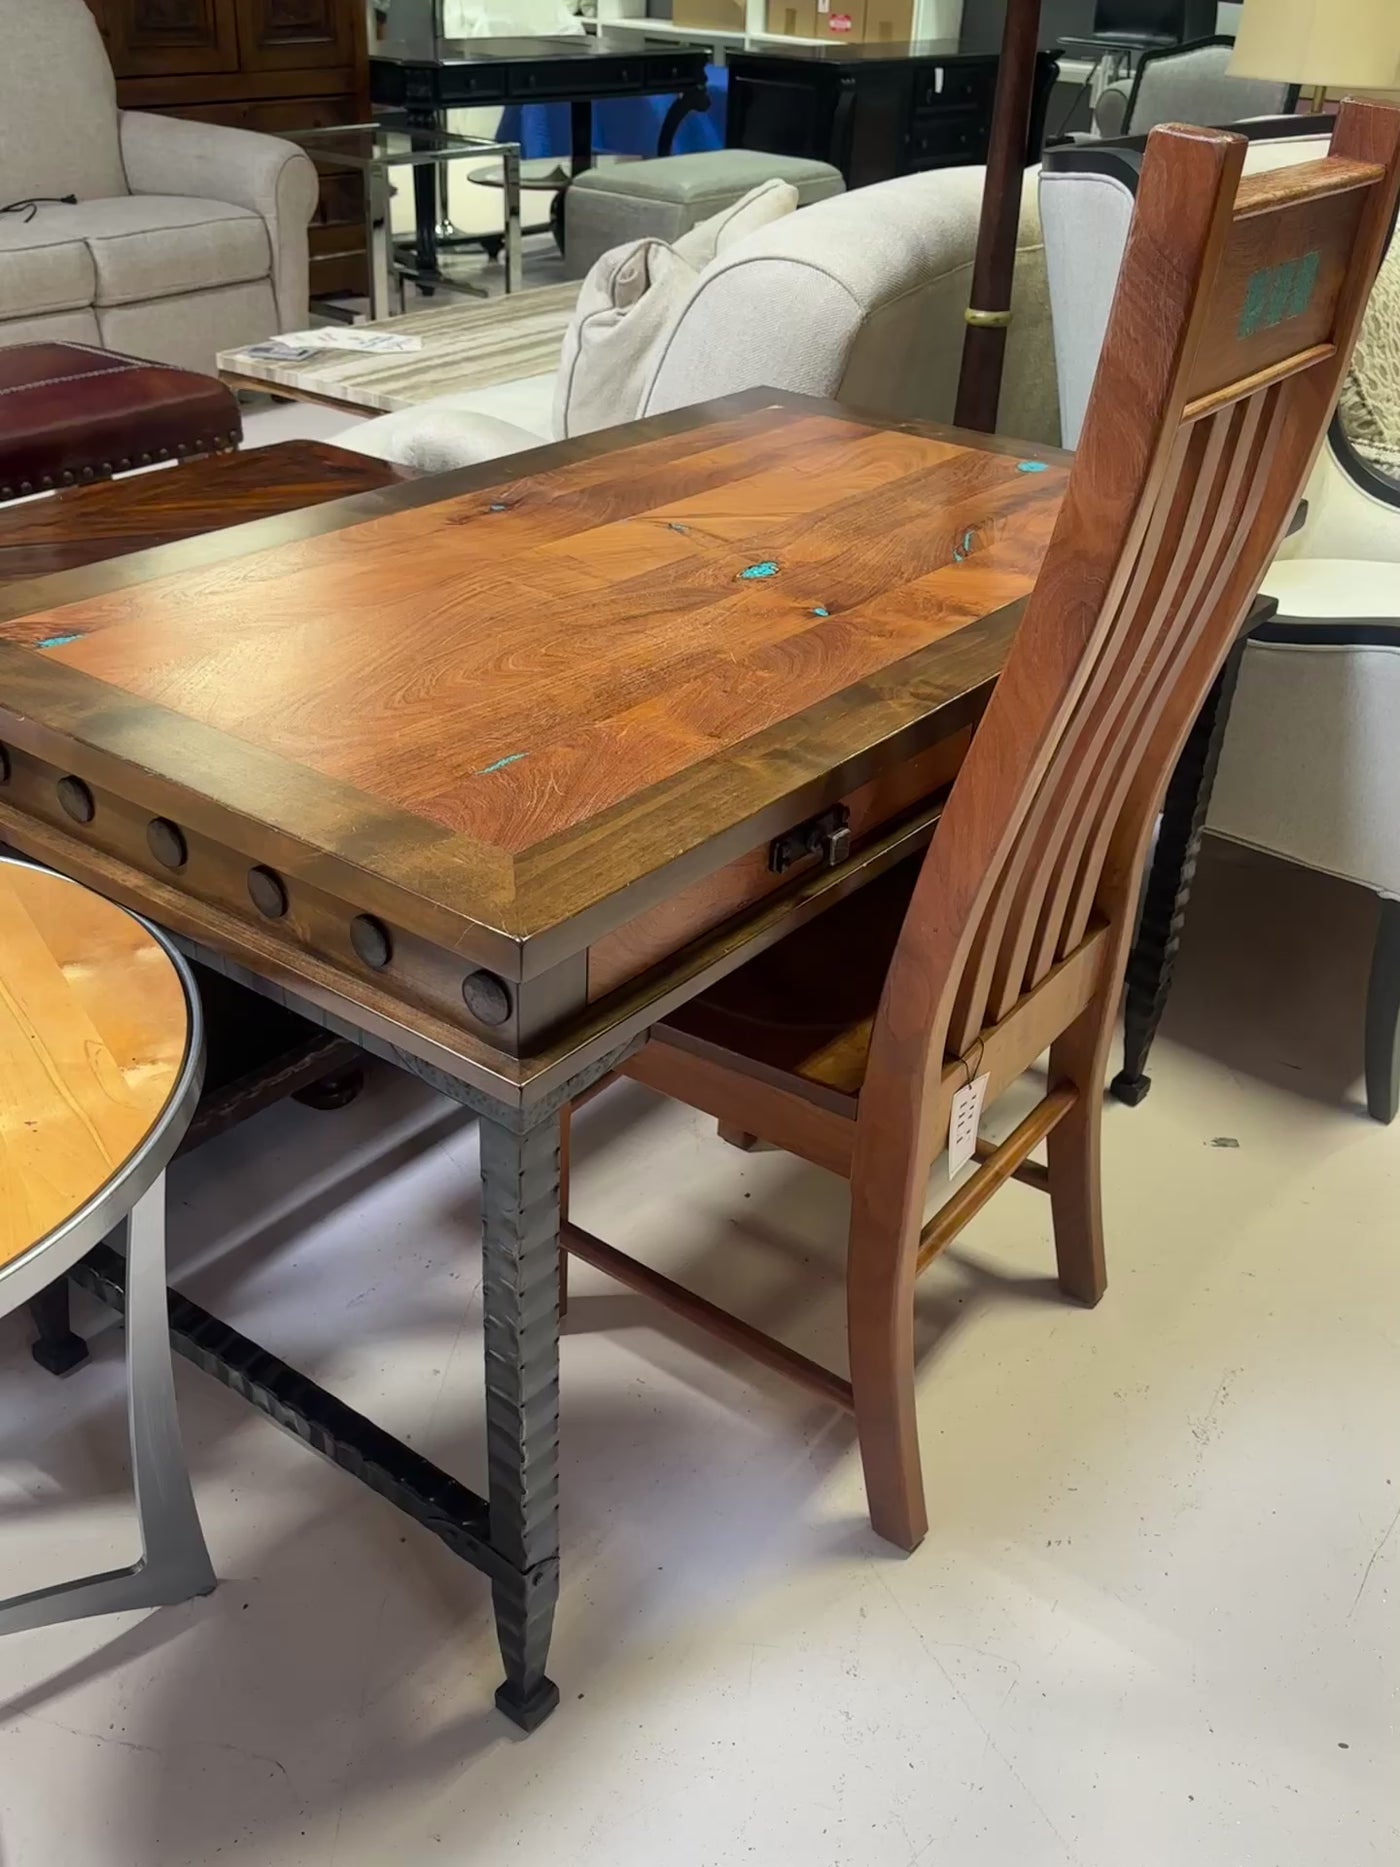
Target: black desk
874	110
576	70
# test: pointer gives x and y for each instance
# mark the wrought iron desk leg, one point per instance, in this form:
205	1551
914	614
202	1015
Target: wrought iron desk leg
696	99
520	1293
1153	957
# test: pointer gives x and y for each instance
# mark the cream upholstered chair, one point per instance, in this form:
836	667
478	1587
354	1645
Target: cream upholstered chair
1310	760
140	233
1187	84
860	297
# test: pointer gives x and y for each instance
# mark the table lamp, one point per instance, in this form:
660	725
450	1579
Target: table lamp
1329	45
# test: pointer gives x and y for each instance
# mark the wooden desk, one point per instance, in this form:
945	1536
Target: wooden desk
490	777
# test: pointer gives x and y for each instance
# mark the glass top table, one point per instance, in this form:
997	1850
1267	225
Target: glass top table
375	149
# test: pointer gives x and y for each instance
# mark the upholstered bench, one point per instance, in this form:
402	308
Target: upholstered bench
665	197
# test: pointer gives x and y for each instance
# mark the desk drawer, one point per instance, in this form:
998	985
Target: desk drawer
661	931
959	136
671	68
954	87
544	80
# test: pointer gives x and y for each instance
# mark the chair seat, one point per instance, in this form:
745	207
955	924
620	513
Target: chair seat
1327	588
802	1013
94	1031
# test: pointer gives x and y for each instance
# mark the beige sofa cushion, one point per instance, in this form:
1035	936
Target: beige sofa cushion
45	265
630	302
58	104
162	246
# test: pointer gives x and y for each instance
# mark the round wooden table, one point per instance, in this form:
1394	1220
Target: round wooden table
101	1060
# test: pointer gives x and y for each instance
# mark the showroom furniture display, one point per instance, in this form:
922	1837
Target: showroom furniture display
579	71
101	1055
666	196
1307	716
856	1044
131	231
405	841
874	110
376	150
73	415
264	65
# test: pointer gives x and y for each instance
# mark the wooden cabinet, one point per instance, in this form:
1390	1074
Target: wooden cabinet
270	65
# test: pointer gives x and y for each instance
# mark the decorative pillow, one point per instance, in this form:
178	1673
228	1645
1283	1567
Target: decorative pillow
629	303
1370	404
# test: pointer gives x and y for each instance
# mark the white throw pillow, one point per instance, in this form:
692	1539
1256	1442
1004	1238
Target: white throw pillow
629	303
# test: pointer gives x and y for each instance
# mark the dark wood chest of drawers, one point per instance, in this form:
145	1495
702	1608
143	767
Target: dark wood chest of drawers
269	65
873	110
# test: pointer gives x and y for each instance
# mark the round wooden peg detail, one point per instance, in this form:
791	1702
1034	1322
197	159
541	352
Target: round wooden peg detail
487	997
167	842
370	939
76	799
268	892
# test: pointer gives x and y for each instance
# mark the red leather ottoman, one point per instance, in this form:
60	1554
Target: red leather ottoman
70	414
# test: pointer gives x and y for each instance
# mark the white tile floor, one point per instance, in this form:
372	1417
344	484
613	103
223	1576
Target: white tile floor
1154	1621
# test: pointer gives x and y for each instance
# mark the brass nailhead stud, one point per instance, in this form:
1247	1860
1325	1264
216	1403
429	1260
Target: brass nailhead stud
487	997
76	799
268	893
167	842
370	939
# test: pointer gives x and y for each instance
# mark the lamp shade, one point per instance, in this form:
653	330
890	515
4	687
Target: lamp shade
1337	43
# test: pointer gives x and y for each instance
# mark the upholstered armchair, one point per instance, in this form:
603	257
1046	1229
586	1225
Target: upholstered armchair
1310	759
135	232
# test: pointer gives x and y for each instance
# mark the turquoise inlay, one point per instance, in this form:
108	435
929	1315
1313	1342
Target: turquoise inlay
766	569
59	641
1276	293
1030	466
673	527
500	506
1304	281
964	549
1256	300
821	610
513	759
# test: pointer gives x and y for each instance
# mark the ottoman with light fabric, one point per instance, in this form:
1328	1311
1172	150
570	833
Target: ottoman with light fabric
664	198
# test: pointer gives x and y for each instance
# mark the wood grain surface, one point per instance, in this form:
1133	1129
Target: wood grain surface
93	1033
507	718
90	524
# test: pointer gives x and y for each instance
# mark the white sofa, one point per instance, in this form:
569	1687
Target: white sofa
183	239
860	297
1310	764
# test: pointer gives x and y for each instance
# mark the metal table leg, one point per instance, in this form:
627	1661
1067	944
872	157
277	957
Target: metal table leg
510	165
379	240
1153	957
520	1294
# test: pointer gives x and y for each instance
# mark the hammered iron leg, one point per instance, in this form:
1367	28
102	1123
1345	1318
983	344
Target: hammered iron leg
1153	957
520	1294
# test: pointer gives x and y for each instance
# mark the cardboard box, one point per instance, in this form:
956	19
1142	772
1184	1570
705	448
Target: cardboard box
794	19
841	20
889	22
709	15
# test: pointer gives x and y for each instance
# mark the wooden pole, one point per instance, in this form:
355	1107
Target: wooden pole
989	309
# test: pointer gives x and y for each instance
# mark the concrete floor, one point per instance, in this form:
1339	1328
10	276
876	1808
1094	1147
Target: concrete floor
1153	1622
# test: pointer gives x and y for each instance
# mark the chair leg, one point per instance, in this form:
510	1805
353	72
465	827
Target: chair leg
174	1563
565	1130
1383	1019
1078	1057
56	1348
880	1272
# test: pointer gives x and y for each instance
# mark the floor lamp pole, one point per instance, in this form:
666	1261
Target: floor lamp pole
989	310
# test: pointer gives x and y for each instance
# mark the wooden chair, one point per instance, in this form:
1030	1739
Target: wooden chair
1235	314
101	1060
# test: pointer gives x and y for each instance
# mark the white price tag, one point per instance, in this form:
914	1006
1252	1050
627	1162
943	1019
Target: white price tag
964	1118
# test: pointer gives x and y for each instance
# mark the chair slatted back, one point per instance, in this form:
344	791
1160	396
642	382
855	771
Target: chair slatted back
1237	307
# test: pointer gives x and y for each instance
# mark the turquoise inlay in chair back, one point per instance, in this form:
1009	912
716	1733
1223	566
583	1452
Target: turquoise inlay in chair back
1277	293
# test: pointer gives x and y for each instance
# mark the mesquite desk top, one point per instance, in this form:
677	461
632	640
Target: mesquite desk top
442	754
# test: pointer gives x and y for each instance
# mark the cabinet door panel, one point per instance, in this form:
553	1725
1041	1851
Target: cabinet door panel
297	35
159	38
